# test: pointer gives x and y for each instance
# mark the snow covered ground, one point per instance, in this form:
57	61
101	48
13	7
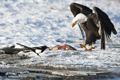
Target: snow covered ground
48	22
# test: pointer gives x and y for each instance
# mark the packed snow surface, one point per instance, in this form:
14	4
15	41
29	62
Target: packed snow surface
48	22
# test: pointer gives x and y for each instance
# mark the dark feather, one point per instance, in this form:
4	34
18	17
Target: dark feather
82	32
78	8
106	26
42	48
26	47
105	21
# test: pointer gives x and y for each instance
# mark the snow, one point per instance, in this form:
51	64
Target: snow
48	22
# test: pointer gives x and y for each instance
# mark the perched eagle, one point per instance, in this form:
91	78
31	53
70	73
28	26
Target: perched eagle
95	25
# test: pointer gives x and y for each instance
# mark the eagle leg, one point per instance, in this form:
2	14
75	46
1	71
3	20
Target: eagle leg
83	45
90	48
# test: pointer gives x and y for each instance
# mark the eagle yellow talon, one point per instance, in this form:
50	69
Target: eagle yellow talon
83	45
90	48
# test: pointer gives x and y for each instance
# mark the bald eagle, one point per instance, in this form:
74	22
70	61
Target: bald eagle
96	25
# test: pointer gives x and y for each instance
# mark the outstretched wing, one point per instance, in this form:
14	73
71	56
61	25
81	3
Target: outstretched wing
78	8
105	25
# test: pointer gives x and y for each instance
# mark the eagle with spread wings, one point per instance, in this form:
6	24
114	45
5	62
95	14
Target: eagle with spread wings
96	25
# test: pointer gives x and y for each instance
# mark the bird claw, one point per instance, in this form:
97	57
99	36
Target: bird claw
86	49
90	48
82	45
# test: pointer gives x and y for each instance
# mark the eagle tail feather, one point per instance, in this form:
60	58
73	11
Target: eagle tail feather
102	39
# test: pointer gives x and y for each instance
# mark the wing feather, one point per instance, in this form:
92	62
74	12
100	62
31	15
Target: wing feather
82	32
105	24
105	21
78	8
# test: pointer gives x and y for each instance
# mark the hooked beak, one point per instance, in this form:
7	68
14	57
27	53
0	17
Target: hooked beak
73	24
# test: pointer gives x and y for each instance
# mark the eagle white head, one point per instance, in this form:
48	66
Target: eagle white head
79	18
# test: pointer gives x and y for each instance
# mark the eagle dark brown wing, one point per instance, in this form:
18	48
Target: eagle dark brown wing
78	8
105	24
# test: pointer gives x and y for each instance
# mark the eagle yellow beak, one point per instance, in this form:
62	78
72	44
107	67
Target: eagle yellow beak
73	24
